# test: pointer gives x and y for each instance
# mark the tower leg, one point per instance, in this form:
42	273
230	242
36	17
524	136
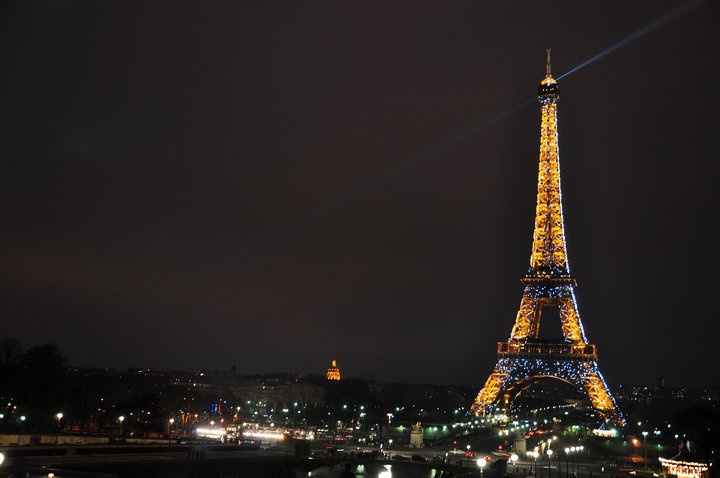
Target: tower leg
600	396
489	393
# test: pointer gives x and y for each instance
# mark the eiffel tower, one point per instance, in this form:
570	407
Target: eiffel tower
525	358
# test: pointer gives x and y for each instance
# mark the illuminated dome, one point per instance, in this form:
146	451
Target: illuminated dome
333	372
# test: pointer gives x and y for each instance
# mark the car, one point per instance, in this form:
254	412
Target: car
332	450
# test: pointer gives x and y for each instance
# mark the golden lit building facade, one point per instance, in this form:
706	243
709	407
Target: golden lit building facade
685	469
333	372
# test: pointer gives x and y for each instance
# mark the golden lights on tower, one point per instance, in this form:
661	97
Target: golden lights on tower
525	357
333	372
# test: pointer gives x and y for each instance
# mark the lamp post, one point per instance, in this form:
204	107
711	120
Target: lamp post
58	417
535	455
121	419
549	454
567	462
580	450
644	445
513	459
170	422
481	462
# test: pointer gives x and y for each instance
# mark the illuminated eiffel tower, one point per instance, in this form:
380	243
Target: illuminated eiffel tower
526	359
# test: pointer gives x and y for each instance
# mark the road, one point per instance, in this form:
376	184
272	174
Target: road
110	459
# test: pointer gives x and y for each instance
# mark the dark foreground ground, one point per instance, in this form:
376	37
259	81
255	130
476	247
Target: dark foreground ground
250	466
272	467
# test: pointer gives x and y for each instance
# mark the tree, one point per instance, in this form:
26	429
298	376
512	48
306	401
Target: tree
699	425
43	386
10	354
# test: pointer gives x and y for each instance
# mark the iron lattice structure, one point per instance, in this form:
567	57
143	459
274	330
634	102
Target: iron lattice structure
525	358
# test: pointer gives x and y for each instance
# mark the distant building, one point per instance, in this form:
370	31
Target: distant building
333	372
685	469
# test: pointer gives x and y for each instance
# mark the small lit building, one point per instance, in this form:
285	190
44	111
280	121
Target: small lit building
685	469
333	372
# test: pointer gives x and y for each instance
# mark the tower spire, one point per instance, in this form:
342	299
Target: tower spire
548	73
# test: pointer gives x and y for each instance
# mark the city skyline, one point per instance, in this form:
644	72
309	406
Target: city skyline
275	187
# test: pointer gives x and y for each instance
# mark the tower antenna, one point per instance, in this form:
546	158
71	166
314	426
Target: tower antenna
547	68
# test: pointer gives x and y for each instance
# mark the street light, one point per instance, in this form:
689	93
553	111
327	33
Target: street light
513	459
170	422
121	419
579	463
567	462
549	454
58	416
481	462
644	434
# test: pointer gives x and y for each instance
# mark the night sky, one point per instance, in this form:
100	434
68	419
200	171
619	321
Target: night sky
274	185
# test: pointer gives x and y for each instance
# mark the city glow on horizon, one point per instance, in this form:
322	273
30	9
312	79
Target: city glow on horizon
268	435
216	433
